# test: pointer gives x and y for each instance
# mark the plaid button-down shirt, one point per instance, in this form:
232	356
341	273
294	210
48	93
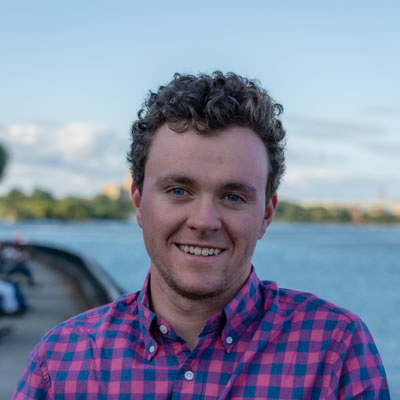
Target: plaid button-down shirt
267	343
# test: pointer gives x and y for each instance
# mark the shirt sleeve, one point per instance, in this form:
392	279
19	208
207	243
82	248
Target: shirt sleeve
362	375
34	382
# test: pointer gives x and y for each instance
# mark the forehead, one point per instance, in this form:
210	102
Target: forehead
229	153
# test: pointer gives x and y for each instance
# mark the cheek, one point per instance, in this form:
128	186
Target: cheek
242	230
251	229
159	222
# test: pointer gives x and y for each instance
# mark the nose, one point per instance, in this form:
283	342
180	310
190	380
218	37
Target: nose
204	215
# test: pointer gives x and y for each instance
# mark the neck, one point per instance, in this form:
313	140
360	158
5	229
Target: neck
187	316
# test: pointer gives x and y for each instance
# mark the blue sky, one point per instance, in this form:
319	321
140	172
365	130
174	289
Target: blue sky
73	75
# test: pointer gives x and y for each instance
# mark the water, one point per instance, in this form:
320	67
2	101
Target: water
356	267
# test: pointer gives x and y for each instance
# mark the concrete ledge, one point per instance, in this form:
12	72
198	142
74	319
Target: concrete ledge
68	284
94	283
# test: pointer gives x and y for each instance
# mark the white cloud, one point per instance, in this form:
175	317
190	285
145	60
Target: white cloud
340	160
76	157
320	128
80	157
330	187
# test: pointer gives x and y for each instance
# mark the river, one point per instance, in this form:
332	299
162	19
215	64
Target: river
356	267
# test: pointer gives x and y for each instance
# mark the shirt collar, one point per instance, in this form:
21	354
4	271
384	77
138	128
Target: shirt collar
232	321
242	310
146	318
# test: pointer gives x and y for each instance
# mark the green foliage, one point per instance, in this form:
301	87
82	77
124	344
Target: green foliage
381	218
15	195
42	205
3	160
39	194
293	212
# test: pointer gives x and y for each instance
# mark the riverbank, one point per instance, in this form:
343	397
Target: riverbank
64	288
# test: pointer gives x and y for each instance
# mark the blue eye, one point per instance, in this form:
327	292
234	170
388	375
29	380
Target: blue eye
233	197
178	191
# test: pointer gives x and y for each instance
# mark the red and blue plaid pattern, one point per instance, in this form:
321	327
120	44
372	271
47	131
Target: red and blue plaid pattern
267	343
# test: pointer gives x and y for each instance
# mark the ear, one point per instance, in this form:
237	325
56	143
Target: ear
270	209
136	200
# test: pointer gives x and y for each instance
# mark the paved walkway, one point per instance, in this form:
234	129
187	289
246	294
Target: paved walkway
52	301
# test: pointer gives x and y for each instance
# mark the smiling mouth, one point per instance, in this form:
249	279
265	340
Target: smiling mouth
200	251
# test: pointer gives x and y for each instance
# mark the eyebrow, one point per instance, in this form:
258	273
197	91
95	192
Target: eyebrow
184	180
239	186
174	179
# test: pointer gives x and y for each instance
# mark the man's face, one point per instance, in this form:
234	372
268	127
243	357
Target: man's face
202	209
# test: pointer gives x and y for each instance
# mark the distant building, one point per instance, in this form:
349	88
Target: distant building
396	209
117	191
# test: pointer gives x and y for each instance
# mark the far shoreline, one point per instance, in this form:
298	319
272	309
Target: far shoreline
6	222
42	205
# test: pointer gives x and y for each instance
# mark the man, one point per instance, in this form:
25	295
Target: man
206	158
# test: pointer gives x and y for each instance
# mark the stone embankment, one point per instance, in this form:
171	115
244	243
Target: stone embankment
67	284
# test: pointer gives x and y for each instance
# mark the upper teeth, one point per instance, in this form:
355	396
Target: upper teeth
199	251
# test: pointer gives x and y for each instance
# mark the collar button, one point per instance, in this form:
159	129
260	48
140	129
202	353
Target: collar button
163	329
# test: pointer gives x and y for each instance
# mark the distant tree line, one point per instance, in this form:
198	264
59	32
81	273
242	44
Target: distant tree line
17	205
293	212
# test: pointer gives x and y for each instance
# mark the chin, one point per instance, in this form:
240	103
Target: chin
193	295
194	292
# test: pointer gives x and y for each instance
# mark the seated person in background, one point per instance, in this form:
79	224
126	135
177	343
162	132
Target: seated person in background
207	157
12	300
16	262
21	265
7	256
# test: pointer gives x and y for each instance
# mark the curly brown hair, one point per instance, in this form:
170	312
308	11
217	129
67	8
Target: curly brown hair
207	104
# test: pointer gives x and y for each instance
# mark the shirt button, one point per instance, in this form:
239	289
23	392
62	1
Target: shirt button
229	339
163	329
189	375
151	349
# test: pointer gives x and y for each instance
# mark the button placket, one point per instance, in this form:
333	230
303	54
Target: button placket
229	340
189	375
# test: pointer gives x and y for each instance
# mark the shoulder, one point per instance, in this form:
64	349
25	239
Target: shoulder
289	300
77	341
297	310
339	341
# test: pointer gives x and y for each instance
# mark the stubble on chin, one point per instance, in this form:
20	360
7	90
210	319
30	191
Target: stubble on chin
190	293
